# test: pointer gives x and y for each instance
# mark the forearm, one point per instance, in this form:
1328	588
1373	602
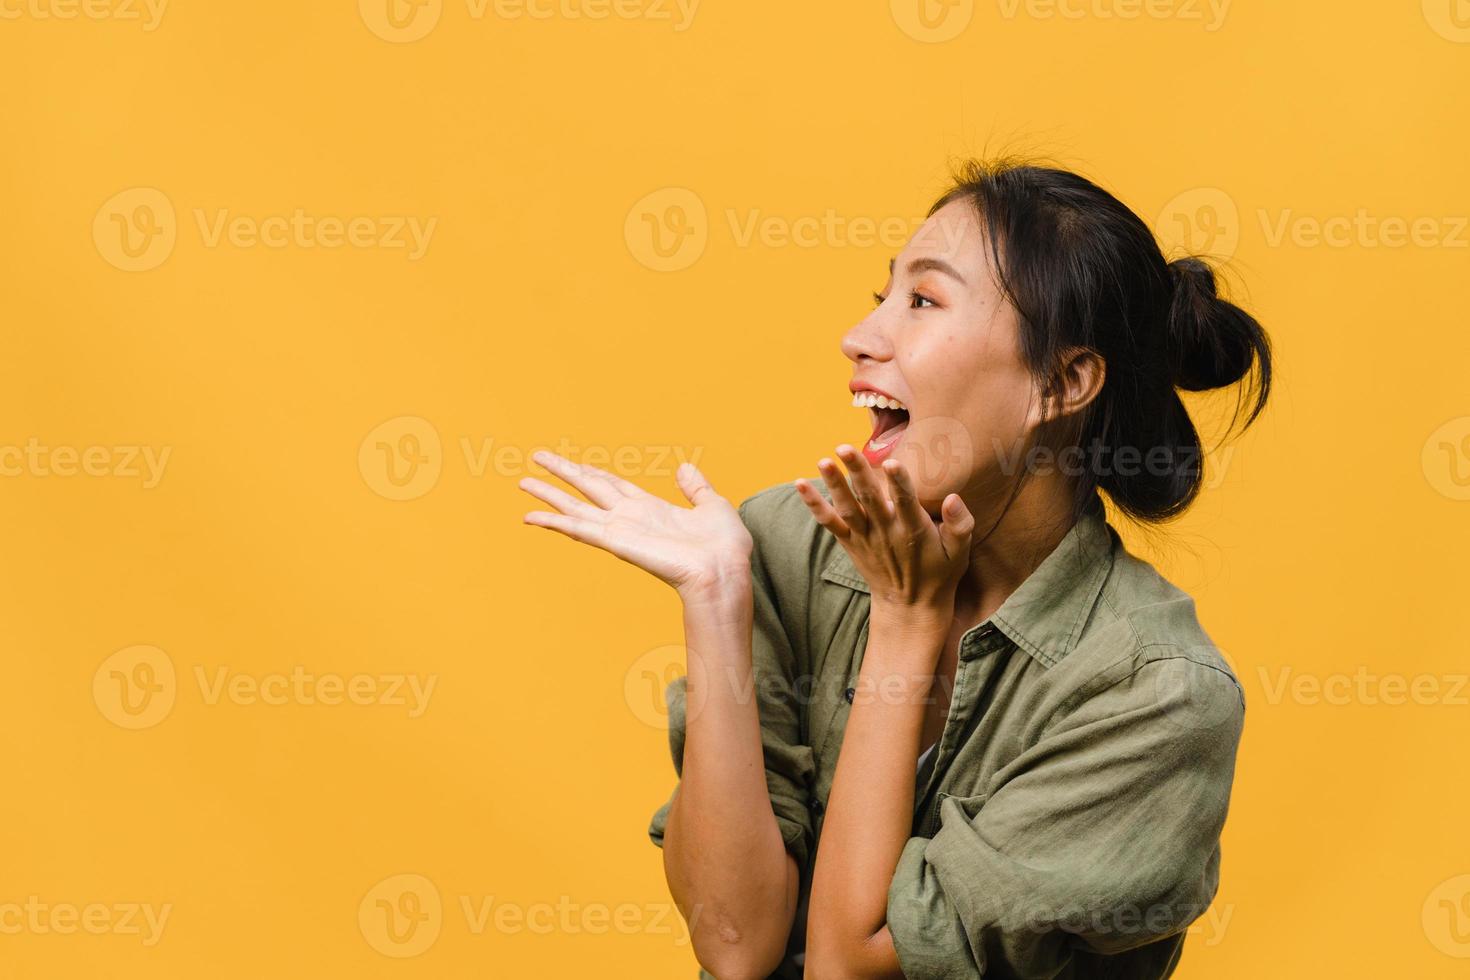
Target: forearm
870	809
724	858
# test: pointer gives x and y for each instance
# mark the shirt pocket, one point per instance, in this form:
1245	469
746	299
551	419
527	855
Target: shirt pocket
969	807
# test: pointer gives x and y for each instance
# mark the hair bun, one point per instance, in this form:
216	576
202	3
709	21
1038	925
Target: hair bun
1212	342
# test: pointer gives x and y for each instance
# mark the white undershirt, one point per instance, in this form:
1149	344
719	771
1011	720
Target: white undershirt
924	753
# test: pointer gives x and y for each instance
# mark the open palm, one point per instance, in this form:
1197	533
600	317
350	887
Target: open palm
687	547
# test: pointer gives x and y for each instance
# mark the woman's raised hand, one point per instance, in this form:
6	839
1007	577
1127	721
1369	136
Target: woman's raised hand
693	549
906	558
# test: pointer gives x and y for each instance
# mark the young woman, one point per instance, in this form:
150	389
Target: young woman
938	721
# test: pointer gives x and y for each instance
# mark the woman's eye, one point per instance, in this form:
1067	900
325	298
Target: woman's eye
915	299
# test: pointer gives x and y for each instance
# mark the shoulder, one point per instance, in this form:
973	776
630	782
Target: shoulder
1144	645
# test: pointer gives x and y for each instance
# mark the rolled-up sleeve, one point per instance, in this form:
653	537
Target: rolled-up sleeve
778	687
1101	837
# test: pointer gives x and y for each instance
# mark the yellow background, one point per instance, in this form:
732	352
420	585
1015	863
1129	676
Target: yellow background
1333	547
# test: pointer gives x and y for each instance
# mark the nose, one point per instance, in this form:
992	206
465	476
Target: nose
867	339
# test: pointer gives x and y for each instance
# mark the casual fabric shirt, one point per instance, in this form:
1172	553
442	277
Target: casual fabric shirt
1067	823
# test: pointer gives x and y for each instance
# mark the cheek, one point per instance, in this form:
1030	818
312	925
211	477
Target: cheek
974	410
942	443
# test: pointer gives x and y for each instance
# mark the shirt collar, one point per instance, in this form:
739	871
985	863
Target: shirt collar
1045	615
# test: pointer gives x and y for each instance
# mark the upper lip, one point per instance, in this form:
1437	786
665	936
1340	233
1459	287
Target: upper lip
857	386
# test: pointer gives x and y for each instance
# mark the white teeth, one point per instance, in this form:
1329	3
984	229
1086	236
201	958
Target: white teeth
869	399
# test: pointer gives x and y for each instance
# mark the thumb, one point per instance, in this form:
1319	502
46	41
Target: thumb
957	525
694	485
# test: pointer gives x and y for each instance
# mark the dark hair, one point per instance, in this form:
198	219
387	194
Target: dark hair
1084	271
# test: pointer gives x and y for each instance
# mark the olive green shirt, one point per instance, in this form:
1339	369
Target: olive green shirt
1067	823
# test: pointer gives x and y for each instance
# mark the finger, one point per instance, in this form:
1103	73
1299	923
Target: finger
622	486
596	489
843	501
558	498
905	501
694	485
865	483
573	527
956	527
594	533
822	510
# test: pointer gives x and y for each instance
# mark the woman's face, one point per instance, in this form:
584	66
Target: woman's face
944	342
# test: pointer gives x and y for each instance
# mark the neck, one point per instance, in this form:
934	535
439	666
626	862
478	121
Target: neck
1029	529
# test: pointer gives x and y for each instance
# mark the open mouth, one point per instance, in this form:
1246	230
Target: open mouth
890	419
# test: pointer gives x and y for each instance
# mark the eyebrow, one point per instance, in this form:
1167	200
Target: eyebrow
938	265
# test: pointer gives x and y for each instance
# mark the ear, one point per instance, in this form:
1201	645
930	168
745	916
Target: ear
1078	382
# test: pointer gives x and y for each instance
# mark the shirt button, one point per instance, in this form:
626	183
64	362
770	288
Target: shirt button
849	693
816	806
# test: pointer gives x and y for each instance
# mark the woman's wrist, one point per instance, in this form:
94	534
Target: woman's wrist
919	619
721	589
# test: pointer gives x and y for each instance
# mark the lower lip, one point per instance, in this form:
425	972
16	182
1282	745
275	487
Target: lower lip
875	455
